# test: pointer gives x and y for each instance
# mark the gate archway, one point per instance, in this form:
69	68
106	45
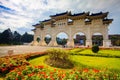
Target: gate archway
61	38
97	39
79	39
47	39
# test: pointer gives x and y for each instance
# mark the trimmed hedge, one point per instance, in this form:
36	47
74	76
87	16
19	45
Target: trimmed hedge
95	49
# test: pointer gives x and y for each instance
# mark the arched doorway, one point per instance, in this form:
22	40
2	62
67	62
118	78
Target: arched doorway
38	39
47	39
79	39
97	39
62	38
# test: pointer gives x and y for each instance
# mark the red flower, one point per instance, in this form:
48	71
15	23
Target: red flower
35	66
76	76
45	76
4	69
11	65
19	73
16	79
96	71
51	76
55	70
29	75
71	72
41	67
85	70
63	75
42	73
58	70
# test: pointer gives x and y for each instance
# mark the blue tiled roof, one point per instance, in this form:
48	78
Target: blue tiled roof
100	13
78	14
59	14
107	19
35	24
46	20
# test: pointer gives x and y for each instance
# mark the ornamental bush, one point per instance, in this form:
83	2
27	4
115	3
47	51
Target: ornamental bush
58	58
95	49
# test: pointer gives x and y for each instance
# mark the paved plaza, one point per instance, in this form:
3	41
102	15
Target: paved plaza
22	49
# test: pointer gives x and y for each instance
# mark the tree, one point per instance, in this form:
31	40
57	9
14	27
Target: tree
16	38
6	37
27	38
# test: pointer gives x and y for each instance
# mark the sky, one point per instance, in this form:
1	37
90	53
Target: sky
20	15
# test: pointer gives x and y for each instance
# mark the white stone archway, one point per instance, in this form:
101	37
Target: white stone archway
80	22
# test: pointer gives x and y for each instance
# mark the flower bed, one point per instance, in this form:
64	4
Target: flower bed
9	63
42	73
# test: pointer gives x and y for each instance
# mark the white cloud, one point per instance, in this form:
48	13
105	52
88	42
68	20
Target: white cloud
28	12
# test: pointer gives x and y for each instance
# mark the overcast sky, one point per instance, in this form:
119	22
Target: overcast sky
20	15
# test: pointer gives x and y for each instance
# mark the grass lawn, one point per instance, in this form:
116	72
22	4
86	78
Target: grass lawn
85	62
40	61
96	62
104	53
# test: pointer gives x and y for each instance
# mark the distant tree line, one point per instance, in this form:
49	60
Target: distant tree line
7	37
115	39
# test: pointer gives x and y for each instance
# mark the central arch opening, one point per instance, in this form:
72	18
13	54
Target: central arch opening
62	38
79	39
47	39
97	39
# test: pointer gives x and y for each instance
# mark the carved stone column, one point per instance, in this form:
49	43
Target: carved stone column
88	39
34	43
53	42
106	43
88	43
42	42
70	43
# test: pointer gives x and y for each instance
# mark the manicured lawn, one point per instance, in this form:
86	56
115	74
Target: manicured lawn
96	62
104	53
38	61
85	62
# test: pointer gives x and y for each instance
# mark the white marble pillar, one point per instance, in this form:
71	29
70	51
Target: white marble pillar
89	43
53	42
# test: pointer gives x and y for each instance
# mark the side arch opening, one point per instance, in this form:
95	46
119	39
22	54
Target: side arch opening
97	39
62	38
79	39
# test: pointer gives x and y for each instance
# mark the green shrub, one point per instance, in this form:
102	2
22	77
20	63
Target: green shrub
58	58
95	49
